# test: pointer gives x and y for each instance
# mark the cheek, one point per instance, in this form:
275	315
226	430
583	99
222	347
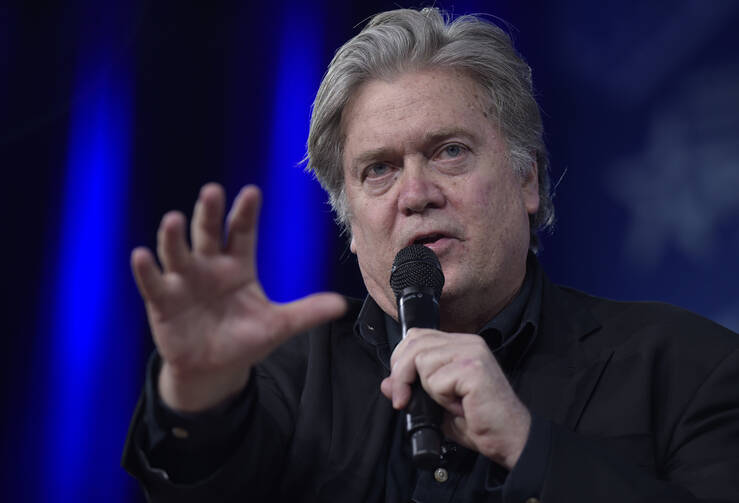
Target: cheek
496	214
367	241
485	200
371	238
371	221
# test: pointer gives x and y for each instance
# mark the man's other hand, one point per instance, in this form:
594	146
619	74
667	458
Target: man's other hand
459	372
209	316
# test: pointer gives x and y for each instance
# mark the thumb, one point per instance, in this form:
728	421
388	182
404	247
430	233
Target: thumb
455	429
303	314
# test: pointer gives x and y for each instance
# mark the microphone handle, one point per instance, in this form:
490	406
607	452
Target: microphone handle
419	308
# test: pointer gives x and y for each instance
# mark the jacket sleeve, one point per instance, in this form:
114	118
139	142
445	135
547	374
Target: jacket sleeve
226	455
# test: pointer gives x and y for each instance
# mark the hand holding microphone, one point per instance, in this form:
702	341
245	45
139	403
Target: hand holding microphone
417	280
447	382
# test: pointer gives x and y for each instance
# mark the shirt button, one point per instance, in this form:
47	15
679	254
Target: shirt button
532	500
441	475
181	433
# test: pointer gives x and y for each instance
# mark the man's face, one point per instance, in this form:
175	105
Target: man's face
423	162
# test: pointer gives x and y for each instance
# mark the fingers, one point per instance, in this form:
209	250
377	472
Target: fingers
447	365
411	355
207	220
242	224
450	383
308	312
417	341
171	245
455	428
206	228
147	274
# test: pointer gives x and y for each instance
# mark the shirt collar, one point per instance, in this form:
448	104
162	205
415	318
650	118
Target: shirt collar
523	310
370	326
509	334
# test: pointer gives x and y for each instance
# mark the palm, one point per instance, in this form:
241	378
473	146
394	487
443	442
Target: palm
214	314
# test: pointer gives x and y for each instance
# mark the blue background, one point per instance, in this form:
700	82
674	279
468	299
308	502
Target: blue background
112	113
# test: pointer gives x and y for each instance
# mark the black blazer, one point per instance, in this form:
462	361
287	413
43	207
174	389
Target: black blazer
643	397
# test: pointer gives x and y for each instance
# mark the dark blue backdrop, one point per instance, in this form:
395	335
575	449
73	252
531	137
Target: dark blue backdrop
114	112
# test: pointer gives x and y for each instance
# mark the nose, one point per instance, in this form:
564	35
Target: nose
418	190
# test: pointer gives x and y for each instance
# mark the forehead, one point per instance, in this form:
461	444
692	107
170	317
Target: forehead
382	112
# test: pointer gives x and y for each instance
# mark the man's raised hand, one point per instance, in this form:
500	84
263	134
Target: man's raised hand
208	314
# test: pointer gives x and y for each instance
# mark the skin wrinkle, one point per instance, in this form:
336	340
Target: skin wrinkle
395	120
422	41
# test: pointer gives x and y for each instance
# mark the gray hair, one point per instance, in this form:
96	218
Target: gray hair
403	40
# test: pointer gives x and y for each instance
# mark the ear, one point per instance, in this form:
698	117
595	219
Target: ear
353	246
530	189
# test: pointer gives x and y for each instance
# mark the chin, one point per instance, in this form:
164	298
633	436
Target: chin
450	293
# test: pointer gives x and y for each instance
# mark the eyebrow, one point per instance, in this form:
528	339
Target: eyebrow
439	135
429	138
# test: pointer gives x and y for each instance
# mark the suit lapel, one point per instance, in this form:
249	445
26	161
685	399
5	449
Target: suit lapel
578	390
561	373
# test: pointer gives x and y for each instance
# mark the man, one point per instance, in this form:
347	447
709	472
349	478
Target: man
423	131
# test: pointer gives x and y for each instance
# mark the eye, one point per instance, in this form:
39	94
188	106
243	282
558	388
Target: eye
452	151
376	171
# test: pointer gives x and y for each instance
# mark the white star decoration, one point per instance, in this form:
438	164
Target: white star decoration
684	186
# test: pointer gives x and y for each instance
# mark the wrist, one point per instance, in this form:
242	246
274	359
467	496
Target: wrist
192	393
506	446
517	440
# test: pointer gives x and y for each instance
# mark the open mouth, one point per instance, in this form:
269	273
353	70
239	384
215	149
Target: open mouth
431	238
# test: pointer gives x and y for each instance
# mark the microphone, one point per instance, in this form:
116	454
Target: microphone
416	279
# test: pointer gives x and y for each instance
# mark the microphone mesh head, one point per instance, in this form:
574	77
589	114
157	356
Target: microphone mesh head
416	265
